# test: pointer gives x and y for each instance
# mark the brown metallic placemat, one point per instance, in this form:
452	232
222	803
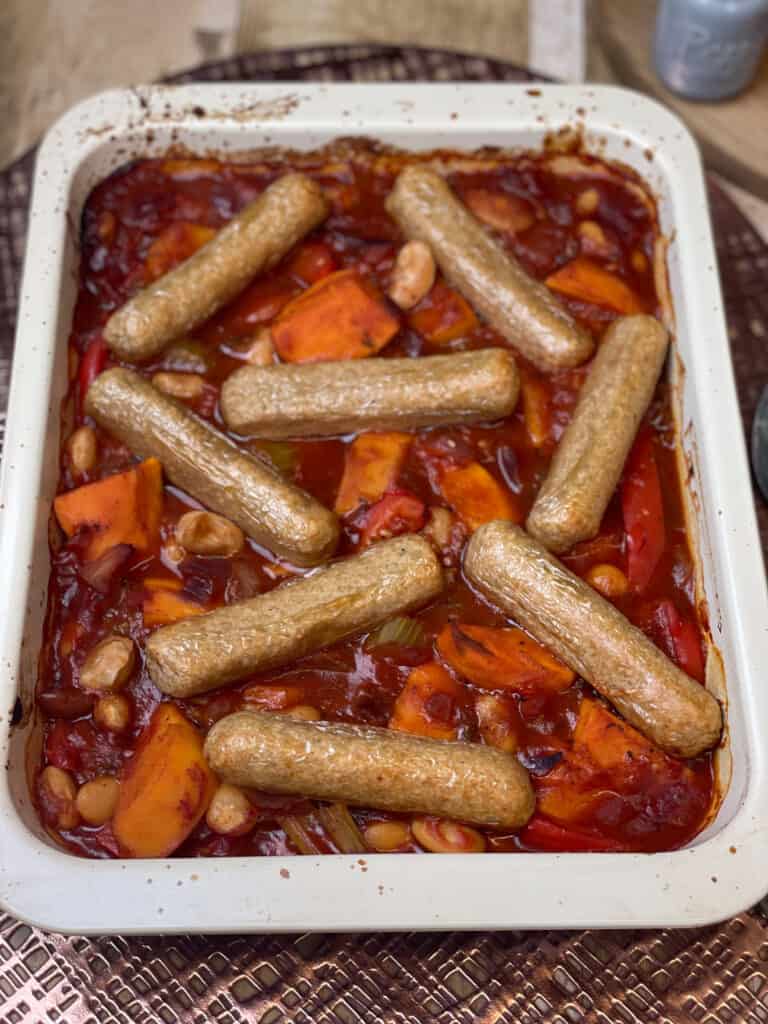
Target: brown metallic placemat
716	975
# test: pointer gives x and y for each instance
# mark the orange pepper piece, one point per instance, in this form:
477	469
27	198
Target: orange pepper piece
584	279
164	604
120	509
442	315
426	705
477	497
610	742
502	659
165	788
177	243
339	317
567	794
371	467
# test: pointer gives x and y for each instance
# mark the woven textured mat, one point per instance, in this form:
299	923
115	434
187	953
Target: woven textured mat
716	975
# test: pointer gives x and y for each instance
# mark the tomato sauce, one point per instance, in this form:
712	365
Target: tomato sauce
658	809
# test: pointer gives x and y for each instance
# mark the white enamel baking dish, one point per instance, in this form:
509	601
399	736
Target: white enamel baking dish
722	872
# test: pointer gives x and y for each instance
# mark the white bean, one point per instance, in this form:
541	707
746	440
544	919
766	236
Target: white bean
205	533
413	276
108	665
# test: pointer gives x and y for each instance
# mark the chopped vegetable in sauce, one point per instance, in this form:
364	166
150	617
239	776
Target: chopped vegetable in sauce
455	670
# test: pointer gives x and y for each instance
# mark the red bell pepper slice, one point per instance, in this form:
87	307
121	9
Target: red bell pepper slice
93	362
397	512
681	639
546	835
643	512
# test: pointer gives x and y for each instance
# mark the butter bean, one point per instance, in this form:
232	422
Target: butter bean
96	800
386	836
57	795
108	665
413	276
205	533
230	812
113	712
82	448
187	386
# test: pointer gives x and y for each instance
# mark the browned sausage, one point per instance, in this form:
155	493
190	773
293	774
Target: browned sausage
253	241
348	597
207	465
522	309
585	631
592	452
371	767
370	394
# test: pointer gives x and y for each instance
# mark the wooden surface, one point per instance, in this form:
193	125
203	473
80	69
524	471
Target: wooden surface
56	52
733	133
496	28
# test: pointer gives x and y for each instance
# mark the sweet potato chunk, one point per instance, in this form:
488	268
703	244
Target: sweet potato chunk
609	741
566	798
608	755
174	245
163	603
443	315
427	704
502	659
120	509
586	280
571	790
477	497
165	789
371	467
339	317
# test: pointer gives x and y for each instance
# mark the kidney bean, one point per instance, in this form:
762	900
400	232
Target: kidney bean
68	703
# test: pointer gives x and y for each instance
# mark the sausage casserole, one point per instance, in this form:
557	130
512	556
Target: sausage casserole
369	535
